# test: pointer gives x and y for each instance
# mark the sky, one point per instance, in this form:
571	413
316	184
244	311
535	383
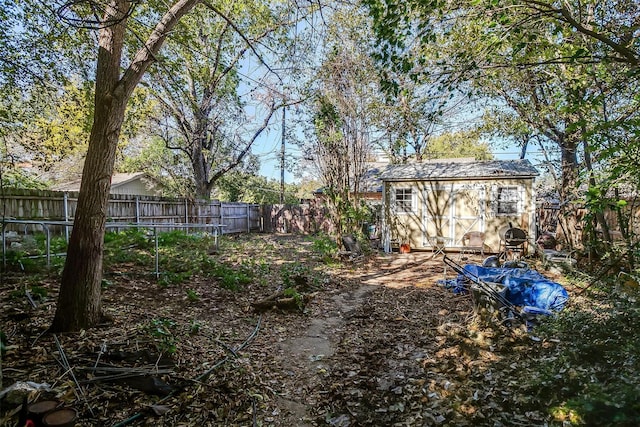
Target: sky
268	148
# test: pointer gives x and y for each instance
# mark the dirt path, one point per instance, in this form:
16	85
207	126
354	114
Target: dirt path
313	350
357	349
310	350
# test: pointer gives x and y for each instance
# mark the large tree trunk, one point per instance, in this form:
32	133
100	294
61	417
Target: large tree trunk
79	299
569	221
82	274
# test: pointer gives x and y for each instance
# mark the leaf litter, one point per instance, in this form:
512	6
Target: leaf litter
379	343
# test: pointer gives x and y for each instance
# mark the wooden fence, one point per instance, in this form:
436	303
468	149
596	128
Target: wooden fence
55	206
306	218
547	218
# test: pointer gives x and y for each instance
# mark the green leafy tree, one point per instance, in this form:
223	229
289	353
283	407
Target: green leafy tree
556	66
200	90
79	303
240	186
169	168
61	130
459	144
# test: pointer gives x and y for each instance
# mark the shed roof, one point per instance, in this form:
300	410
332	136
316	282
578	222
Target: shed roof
454	170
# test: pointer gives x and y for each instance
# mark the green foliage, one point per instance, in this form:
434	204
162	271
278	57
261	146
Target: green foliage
291	272
13	177
179	238
192	295
168	278
105	284
231	278
38	292
131	251
3	343
15	260
348	214
301	277
297	296
585	380
459	144
194	327
246	186
325	246
169	168
64	130
161	330
205	93
140	237
129	246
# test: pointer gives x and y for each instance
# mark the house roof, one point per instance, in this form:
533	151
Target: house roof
456	170
371	182
117	180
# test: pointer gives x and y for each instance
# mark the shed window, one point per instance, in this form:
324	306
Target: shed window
404	200
507	200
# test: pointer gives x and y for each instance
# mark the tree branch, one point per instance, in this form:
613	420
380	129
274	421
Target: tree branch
147	54
245	150
240	33
628	55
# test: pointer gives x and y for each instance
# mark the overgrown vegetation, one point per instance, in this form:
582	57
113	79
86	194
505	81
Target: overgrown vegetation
326	247
161	330
577	368
590	375
131	251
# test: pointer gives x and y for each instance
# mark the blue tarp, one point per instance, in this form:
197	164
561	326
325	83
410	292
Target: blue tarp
524	287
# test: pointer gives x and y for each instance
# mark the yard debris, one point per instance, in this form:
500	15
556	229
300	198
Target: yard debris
287	299
381	344
15	393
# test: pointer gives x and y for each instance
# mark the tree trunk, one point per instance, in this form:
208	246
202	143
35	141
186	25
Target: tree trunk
79	299
568	210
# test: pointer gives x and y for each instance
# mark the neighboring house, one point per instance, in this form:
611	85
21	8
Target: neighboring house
433	203
370	187
138	184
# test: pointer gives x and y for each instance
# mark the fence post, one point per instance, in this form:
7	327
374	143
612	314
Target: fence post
137	210
65	207
221	213
186	214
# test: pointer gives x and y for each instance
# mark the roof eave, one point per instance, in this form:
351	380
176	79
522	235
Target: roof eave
470	178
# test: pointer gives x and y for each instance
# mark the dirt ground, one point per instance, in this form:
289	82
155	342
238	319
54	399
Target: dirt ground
379	343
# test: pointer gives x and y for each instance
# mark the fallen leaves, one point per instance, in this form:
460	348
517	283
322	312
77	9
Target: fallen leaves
384	352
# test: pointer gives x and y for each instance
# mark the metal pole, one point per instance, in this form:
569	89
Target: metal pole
284	113
155	236
4	247
137	210
48	244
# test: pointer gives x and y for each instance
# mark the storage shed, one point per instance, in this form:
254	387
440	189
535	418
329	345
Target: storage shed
433	204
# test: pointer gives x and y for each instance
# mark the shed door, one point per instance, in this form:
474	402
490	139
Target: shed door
453	210
437	213
469	203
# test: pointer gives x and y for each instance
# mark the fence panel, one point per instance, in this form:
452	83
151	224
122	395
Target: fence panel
548	218
48	206
307	218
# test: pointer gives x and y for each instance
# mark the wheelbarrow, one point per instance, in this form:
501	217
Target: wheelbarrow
490	296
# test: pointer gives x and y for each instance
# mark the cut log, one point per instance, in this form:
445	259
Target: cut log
282	302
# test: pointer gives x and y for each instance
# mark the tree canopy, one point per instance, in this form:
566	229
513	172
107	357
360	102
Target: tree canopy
563	73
